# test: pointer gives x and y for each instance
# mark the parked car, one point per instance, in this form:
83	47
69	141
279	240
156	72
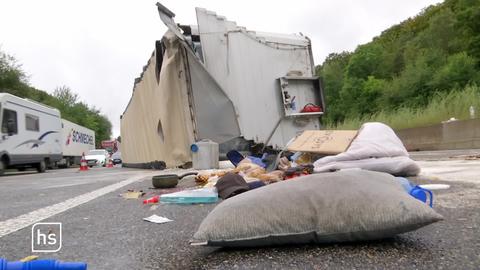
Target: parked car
117	158
97	157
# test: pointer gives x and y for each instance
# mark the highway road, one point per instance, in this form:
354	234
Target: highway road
107	231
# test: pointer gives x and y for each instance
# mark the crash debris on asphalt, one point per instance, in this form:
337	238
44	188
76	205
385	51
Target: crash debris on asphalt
342	186
157	219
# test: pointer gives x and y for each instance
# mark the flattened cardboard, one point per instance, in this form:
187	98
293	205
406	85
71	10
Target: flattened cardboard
323	141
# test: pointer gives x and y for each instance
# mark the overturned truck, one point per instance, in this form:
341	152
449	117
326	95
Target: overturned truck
219	81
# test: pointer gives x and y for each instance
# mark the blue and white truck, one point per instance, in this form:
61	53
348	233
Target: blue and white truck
76	140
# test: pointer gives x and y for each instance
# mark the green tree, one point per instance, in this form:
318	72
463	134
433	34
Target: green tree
456	73
435	52
65	95
332	74
14	81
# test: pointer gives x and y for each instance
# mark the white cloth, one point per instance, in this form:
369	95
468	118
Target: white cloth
376	148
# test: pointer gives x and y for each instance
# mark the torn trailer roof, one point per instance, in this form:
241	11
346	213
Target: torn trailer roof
219	81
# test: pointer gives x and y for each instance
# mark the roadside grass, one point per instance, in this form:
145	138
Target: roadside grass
442	107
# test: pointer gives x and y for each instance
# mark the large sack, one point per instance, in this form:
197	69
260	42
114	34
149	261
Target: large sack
400	166
347	205
377	148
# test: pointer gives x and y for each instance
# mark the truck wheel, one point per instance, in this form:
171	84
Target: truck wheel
2	167
42	166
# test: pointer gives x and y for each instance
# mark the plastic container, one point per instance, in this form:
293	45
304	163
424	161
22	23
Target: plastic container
202	195
205	155
421	194
417	192
41	265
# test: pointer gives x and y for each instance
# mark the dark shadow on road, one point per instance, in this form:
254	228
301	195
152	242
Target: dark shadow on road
18	173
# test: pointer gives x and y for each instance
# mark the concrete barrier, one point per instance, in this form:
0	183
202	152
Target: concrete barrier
464	134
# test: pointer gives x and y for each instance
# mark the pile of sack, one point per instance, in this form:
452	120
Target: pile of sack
311	198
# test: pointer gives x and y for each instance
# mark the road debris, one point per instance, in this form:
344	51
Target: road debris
191	196
435	186
375	148
157	219
132	194
323	141
168	180
153	199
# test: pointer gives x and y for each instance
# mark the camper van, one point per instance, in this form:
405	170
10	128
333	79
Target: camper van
30	134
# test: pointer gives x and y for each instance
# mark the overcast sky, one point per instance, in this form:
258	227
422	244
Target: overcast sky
98	47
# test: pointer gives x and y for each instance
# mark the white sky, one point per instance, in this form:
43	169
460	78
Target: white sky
98	47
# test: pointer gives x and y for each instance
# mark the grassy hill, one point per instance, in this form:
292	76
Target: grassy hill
14	81
420	65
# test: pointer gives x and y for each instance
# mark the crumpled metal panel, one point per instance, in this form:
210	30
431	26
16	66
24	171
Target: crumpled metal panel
167	18
247	66
213	111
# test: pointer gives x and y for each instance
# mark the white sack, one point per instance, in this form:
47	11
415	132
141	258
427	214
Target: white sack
376	148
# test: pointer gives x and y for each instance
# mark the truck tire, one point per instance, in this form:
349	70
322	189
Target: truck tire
42	166
2	167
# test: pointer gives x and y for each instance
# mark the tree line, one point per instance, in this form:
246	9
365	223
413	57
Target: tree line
13	80
433	53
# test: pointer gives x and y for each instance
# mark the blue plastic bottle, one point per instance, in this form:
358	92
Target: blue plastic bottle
42	265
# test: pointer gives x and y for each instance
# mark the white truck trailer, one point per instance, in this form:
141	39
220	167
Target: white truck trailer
76	140
30	134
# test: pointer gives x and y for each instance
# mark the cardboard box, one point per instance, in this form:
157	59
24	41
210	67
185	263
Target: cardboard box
330	142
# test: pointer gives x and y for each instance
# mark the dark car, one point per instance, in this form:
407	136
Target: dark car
117	158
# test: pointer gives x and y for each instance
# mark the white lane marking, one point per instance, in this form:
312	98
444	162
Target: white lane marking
65	185
23	221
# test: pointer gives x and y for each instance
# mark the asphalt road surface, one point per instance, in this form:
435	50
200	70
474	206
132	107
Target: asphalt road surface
106	231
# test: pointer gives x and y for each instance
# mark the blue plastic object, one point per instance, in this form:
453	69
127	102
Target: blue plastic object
201	195
417	192
235	157
255	184
41	265
194	148
421	194
257	161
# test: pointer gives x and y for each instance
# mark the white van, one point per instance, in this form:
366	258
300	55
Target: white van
30	134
